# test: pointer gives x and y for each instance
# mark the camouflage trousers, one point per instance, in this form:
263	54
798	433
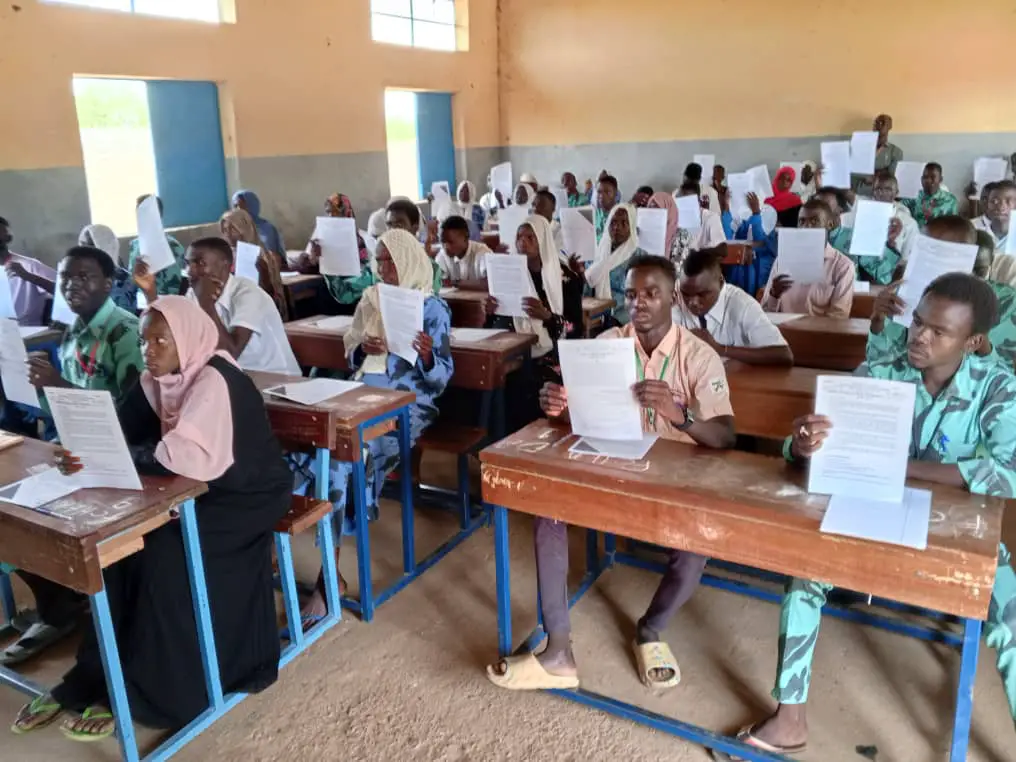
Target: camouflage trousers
802	612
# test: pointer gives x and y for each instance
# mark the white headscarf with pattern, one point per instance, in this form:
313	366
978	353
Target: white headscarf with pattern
608	258
552	284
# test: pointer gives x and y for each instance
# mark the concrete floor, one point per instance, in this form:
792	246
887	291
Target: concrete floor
410	687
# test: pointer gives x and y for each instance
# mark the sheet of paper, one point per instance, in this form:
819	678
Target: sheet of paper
402	316
41	488
441	206
800	254
6	297
88	427
989	169
871	228
313	391
779	318
247	261
509	220
863	147
928	259
335	323
908	177
28	331
508	281
579	235
836	164
14	365
902	522
739	186
652	231
708	162
761	183
61	310
1010	240
689	213
370	242
599	375
635	449
471	335
561	197
152	242
798	167
290	274
862	287
340	251
866	452
501	180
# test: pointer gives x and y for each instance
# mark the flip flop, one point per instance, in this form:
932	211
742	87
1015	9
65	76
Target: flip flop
92	713
307	622
525	673
745	736
42	711
37	638
656	655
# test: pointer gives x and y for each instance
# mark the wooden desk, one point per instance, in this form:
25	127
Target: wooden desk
491	240
468	307
301	287
827	343
739	252
766	400
594	313
864	304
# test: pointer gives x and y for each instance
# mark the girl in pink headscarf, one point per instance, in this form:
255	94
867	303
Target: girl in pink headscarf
194	414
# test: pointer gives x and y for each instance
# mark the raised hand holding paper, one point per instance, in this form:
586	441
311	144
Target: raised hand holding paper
989	169
560	198
402	317
247	261
152	242
652	230
801	254
441	206
708	162
871	228
501	180
761	183
510	219
579	235
739	186
62	312
908	177
929	259
509	282
863	147
599	375
836	164
14	365
689	214
340	251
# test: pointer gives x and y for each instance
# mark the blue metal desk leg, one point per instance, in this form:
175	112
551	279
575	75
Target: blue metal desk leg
326	536
406	467
503	571
7	598
363	540
965	690
110	653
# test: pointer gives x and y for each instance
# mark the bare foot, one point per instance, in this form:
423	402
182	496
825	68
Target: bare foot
788	727
317	604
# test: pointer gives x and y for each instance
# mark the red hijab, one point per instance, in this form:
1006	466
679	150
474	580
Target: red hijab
782	200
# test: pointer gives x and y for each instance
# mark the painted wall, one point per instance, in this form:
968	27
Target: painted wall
639	87
302	89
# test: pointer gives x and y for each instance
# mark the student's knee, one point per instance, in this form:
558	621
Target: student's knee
548	533
806	591
685	563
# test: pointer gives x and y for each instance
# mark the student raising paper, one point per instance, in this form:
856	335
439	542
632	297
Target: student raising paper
833	295
462	261
873	269
724	316
401	262
170	280
193	414
31	282
606	275
684	396
237	227
933	200
964	436
606	199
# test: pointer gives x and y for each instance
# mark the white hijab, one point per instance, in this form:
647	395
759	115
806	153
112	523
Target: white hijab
552	284
608	258
101	237
530	195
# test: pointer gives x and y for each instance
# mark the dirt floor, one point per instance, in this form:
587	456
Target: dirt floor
410	687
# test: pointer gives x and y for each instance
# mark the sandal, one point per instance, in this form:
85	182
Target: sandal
525	673
656	657
90	715
37	638
745	736
37	714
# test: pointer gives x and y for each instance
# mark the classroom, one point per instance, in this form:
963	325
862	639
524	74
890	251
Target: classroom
466	380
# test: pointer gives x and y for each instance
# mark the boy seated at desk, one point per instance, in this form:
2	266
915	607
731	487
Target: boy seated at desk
340	293
878	270
965	436
725	317
249	325
546	207
462	261
400	261
887	338
832	297
684	395
101	351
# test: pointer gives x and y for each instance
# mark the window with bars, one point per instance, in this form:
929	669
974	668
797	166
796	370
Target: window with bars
193	10
416	23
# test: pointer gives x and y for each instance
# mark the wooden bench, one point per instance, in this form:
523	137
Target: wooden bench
460	441
304	512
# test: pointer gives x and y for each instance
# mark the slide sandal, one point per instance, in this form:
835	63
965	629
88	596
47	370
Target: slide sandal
525	673
42	711
91	715
656	656
37	638
307	622
745	736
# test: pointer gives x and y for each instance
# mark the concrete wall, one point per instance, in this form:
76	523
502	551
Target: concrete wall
302	89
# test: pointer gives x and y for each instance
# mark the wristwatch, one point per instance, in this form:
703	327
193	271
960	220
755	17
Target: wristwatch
689	420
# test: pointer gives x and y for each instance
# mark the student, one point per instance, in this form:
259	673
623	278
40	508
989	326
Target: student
710	196
237	226
468	208
463	262
99	352
606	276
683	391
710	232
760	226
30	280
886	190
270	236
678	240
529	179
887	156
492	200
193	414
718	181
869	268
524	195
786	203
887	338
725	317
811	180
831	298
641	198
249	325
401	262
170	280
932	200
125	290
546	206
1001	201
403	214
965	436
606	200
576	198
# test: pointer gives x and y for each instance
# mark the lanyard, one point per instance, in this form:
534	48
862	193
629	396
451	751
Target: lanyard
88	367
650	414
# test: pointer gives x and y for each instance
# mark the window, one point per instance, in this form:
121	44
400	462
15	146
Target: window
194	10
417	23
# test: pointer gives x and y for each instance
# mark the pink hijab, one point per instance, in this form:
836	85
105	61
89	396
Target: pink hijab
666	201
193	404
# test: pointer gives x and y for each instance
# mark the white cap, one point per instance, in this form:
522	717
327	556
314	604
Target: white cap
528	177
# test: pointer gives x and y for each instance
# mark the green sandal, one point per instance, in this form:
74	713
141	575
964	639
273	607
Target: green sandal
42	711
89	715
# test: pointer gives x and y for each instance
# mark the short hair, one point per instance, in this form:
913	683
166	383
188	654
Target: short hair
546	195
884	175
455	222
842	199
4	222
815	203
646	261
972	291
644	189
411	210
692	186
694	172
1001	185
609	180
954	226
216	244
987	189
985	254
934	165
158	201
101	258
700	260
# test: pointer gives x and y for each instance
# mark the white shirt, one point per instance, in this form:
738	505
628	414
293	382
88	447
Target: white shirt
736	320
983	223
243	304
710	232
471	266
